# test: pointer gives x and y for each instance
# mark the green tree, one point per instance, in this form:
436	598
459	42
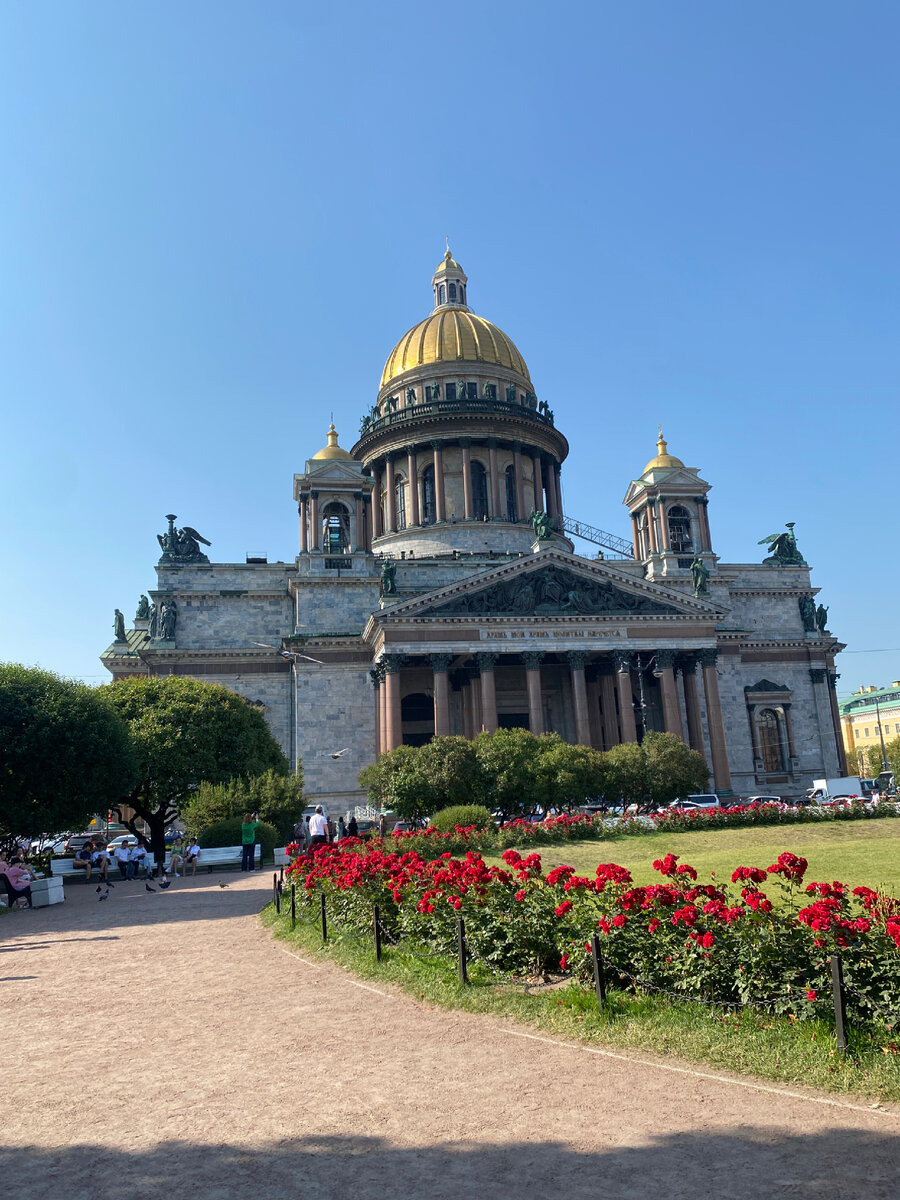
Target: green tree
393	782
514	777
185	732
892	753
655	772
572	774
277	798
65	754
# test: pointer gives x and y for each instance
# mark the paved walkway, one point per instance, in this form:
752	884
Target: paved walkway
166	1043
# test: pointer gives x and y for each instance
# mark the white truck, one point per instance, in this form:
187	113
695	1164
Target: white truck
840	788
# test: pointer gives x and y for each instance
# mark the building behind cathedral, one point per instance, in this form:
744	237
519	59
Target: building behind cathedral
436	590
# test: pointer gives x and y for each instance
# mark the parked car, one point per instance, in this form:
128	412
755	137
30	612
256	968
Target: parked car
762	800
77	840
697	800
55	845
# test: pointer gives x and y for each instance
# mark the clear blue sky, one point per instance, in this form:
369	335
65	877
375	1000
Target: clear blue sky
217	218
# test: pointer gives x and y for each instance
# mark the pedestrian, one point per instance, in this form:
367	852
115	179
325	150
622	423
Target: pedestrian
352	827
177	855
100	863
342	829
191	856
318	828
248	840
123	857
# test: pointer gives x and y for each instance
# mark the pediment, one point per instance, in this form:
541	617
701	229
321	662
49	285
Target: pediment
766	685
553	583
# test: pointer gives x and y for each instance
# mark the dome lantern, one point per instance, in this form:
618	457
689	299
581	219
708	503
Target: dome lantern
449	283
332	450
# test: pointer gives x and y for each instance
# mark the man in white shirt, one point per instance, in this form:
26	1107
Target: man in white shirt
318	828
123	857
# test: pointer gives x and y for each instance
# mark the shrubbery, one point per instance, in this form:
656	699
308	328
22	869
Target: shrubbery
473	816
228	833
277	798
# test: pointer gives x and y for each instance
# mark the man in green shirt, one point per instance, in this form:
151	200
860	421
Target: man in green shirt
248	840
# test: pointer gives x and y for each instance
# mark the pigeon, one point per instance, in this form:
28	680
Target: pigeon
148	888
223	885
165	884
110	885
99	888
105	896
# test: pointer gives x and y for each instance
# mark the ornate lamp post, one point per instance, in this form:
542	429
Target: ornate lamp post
640	664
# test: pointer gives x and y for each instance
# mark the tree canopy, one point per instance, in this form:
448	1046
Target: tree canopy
277	798
184	732
65	754
657	771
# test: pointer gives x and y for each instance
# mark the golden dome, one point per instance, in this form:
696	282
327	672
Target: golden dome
448	263
663	458
453	335
332	450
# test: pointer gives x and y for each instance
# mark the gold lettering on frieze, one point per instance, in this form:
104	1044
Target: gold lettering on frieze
593	634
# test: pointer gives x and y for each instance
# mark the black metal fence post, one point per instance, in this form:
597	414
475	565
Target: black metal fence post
461	945
324	917
599	973
281	874
293	905
276	893
840	1006
377	934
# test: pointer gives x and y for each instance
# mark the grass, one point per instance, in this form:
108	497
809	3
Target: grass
864	853
749	1042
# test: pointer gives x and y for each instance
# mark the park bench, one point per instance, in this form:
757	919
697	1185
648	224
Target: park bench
219	856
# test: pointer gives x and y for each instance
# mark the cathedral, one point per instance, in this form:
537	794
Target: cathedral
437	590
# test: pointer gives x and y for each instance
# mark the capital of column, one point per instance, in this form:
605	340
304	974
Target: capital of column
622	659
577	659
437	444
665	659
464	443
817	674
686	663
375	677
833	677
303	497
440	662
533	659
314	494
707	657
392	663
486	662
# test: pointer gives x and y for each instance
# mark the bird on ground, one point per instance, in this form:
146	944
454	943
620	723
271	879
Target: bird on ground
166	883
99	888
148	888
288	655
223	885
105	896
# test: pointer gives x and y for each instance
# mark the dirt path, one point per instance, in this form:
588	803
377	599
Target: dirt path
166	1041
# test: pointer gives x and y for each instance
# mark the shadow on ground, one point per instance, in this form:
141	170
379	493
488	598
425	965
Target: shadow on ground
833	1164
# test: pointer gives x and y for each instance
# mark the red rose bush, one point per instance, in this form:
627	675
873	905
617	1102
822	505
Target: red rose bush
764	938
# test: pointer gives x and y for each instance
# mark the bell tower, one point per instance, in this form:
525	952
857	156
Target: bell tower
669	519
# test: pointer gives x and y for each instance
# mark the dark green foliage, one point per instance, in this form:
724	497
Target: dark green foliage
463	815
185	732
65	754
277	798
228	833
655	772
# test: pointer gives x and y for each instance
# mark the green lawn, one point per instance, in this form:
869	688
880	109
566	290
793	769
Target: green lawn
856	853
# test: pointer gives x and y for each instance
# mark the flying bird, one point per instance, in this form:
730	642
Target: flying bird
288	655
336	753
148	888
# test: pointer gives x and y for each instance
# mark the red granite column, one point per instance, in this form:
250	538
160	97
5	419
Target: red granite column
717	746
440	664
486	663
533	685
577	660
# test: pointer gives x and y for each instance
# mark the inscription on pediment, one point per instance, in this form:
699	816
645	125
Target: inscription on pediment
552	591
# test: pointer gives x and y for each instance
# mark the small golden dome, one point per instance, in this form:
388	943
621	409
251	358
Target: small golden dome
332	450
448	263
449	336
663	459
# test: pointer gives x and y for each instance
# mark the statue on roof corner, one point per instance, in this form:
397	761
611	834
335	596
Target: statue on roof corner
784	549
181	546
388	573
119	626
542	524
699	577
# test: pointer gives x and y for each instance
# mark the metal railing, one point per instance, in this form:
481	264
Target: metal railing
443	407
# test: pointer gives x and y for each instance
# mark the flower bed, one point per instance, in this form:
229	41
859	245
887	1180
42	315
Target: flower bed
565	828
734	943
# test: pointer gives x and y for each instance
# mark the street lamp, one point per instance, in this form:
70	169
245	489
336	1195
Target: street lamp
637	661
884	761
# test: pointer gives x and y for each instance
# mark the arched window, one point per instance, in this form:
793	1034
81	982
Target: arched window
443	295
479	491
643	535
335	529
771	743
512	511
400	498
429	508
680	529
452	291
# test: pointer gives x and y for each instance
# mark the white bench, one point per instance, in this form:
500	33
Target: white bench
281	857
219	856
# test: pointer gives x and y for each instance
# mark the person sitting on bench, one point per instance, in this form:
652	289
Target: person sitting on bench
83	859
191	856
17	880
100	863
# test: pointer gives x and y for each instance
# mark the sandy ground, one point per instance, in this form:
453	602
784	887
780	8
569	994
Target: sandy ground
168	1042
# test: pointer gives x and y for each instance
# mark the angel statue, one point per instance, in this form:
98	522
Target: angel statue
784	549
181	545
